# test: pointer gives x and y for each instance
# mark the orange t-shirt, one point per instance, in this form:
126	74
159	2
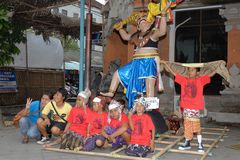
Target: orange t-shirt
141	133
78	120
192	91
97	122
115	123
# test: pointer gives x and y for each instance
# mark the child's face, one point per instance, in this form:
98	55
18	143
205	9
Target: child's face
79	101
114	113
58	97
97	106
44	100
139	108
192	72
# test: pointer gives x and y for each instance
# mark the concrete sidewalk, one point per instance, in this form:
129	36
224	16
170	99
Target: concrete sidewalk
12	149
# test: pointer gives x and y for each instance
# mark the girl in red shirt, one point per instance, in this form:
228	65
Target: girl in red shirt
143	131
76	128
97	120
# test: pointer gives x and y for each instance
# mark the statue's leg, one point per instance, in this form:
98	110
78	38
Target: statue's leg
150	85
113	87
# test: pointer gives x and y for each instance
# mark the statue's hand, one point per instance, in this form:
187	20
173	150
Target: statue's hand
119	27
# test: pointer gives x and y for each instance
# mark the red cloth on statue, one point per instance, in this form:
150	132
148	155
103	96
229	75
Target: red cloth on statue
192	91
97	122
115	123
141	133
78	120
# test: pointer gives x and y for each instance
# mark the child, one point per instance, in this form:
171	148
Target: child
192	102
76	129
143	131
97	120
116	133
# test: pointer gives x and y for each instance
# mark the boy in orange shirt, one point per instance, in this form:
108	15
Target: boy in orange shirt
143	131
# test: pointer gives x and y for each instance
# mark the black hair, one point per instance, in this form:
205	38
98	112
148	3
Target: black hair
49	94
121	101
64	93
197	68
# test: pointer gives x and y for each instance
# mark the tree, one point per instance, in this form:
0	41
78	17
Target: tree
11	33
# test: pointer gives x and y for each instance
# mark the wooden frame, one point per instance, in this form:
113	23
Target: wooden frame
218	134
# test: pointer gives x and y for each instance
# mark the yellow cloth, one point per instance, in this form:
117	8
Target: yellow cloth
63	111
155	9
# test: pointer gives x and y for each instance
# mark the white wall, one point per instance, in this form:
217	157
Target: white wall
71	9
40	54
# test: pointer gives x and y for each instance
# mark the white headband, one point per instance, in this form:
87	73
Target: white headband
112	106
96	100
81	94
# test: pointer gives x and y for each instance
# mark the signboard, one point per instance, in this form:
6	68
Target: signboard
8	81
152	103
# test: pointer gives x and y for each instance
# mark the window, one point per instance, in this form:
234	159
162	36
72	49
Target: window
75	15
55	10
64	12
94	19
202	39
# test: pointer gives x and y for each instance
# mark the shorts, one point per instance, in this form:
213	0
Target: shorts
90	143
59	125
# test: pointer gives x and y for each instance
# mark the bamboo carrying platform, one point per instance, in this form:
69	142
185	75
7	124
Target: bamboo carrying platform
169	142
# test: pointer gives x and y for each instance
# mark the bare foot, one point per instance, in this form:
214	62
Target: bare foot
25	140
108	94
46	145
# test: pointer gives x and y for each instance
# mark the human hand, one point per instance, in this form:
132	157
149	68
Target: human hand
112	139
29	101
47	121
152	145
164	11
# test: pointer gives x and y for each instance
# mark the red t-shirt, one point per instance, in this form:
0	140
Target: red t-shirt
141	133
97	122
192	91
78	120
115	123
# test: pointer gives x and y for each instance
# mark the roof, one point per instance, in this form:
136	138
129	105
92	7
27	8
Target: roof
38	16
96	57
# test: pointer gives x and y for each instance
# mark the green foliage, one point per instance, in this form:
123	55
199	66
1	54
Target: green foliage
10	34
70	44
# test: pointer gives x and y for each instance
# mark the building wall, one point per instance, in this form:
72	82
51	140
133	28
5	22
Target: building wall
114	49
234	47
71	9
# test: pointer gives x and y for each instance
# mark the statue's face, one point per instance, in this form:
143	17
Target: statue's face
143	25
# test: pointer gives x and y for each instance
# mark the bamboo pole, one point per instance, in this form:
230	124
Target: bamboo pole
118	150
167	148
217	129
205	139
192	144
172	136
182	151
212	133
97	154
169	136
213	144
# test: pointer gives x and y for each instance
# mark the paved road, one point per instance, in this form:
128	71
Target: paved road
12	149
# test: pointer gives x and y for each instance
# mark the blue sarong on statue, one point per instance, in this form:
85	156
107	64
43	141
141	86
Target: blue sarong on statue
133	75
